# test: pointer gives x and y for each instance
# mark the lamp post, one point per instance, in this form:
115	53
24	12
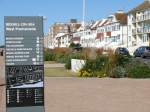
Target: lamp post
44	21
1	38
83	19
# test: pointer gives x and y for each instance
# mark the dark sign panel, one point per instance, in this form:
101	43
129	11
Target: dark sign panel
24	64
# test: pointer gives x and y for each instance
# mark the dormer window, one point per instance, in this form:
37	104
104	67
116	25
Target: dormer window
139	12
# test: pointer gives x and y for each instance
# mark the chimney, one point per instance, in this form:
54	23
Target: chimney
120	11
147	1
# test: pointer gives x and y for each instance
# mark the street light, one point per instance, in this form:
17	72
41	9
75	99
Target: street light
1	37
84	12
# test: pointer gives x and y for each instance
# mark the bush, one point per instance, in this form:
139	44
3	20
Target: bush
85	73
96	64
68	64
118	72
61	58
139	71
72	45
72	56
91	73
49	56
122	60
94	67
100	74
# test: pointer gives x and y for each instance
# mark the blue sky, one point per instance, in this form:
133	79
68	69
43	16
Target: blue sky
61	10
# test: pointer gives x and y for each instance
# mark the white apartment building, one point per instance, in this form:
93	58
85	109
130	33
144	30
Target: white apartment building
139	25
86	38
59	33
62	40
48	41
112	31
106	33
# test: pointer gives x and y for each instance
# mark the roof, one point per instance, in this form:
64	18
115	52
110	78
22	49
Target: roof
105	22
143	6
61	35
121	18
96	24
76	39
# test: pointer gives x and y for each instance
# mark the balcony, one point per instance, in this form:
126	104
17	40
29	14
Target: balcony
143	17
134	20
141	30
134	31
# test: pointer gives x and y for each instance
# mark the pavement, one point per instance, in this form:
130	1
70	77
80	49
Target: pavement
2	87
97	95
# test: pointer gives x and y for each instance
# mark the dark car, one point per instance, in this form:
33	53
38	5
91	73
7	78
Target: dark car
143	51
122	51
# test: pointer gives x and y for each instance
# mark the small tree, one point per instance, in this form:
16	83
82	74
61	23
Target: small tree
72	45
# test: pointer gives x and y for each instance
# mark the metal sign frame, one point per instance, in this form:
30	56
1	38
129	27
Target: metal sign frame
24	63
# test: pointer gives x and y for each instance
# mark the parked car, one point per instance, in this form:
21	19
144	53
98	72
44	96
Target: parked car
122	51
143	51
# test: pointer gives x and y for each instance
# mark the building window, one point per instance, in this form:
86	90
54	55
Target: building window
129	27
129	38
145	38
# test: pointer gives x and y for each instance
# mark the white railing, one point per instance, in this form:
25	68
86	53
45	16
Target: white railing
143	30
143	17
134	31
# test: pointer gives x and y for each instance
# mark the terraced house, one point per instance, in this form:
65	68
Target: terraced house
106	33
139	25
112	31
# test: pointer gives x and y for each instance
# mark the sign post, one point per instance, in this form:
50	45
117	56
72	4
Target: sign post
24	63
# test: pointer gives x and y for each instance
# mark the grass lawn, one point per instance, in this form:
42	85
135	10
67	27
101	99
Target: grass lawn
59	72
49	62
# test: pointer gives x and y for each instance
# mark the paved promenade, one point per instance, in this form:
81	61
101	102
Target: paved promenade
2	88
97	95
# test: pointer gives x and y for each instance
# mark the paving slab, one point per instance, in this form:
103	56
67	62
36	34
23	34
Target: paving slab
97	95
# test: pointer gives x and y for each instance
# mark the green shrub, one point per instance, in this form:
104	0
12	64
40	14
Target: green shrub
122	60
61	58
100	74
97	64
139	71
94	67
85	73
118	72
71	56
49	56
68	64
72	45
